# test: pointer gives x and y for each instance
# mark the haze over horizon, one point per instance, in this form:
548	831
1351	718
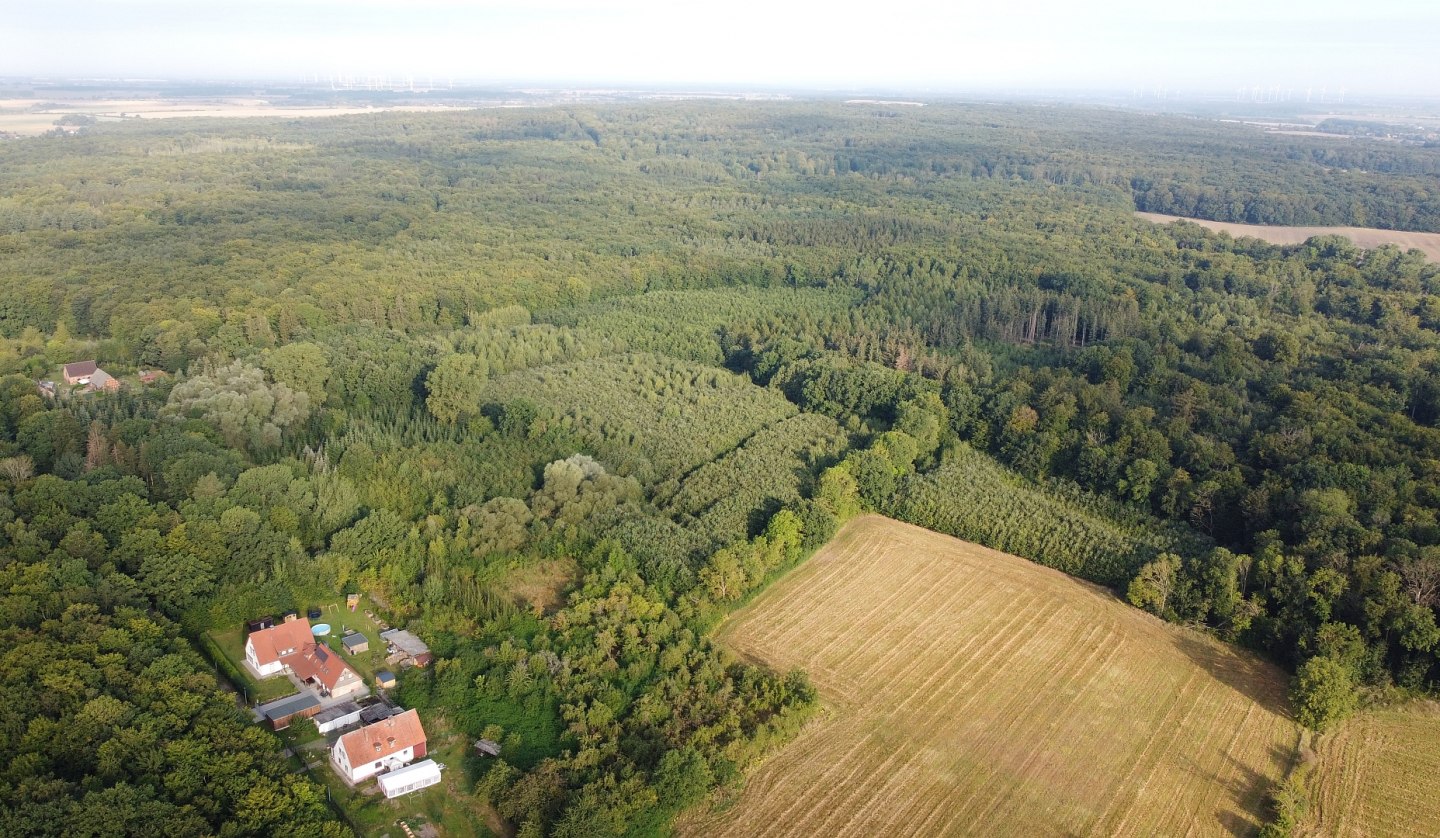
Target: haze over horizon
1378	48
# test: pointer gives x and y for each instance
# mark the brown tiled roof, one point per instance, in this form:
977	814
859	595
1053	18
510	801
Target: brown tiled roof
80	369
380	740
285	639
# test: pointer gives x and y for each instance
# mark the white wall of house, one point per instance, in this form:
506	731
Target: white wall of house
366	770
349	684
272	668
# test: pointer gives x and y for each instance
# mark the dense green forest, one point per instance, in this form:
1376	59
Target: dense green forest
671	348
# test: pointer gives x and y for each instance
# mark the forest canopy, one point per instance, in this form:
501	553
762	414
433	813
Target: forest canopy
562	387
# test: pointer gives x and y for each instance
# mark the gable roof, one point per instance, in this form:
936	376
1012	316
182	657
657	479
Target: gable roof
285	639
382	739
80	369
314	661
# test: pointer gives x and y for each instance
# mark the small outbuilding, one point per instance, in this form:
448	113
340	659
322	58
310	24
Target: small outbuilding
355	643
336	716
409	646
281	712
412	777
488	748
385	679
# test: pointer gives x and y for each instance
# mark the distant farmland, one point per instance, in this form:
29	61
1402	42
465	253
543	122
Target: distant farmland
1379	774
973	692
1427	243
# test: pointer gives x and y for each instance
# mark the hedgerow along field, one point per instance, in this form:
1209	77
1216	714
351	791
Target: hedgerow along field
970	691
1378	774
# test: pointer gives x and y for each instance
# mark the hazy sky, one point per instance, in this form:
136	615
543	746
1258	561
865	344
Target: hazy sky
1374	46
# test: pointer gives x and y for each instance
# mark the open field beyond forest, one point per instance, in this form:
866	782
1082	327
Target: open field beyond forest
1427	243
973	692
1378	774
30	117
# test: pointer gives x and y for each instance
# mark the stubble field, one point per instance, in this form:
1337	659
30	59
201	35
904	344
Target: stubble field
1378	774
973	692
1366	237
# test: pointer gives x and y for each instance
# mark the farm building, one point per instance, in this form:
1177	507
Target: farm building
79	372
152	376
89	375
101	380
355	643
383	746
421	775
385	679
281	712
336	716
408	646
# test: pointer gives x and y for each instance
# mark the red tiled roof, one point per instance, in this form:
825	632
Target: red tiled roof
378	741
285	639
316	662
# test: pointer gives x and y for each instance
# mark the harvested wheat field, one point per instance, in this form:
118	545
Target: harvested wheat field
971	692
1427	243
1379	774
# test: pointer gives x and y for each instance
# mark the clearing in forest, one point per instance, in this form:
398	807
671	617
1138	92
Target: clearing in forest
1378	774
1366	237
973	692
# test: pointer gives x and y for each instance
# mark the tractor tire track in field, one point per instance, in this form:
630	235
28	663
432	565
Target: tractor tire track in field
975	693
1378	774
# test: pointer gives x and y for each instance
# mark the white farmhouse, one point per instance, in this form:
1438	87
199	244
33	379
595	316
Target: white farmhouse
266	649
375	749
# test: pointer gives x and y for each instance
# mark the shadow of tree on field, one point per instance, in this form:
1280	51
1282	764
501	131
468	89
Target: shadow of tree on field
1245	791
1260	681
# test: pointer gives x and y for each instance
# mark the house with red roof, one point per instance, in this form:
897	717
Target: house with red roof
291	646
384	746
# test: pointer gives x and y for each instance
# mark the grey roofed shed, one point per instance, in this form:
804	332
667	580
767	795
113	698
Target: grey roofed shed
355	643
405	642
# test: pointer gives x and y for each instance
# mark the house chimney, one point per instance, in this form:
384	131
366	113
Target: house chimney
377	747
